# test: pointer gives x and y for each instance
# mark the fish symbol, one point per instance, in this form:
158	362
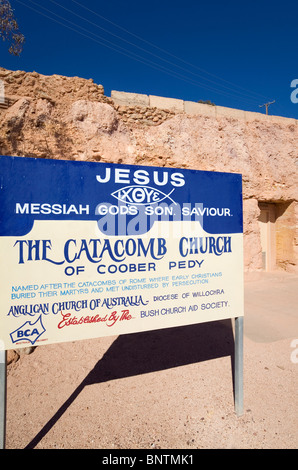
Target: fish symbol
140	195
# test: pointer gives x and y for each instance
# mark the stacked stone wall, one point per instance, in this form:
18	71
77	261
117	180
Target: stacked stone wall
134	101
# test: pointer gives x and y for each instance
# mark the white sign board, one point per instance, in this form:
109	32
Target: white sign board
94	249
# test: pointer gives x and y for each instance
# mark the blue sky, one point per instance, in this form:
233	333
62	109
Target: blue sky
234	53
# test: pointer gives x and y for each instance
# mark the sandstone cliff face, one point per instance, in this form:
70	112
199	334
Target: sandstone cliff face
70	118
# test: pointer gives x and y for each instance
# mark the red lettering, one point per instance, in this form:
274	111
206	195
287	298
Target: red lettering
68	320
113	318
63	322
125	315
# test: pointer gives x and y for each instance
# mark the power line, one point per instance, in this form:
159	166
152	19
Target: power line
266	105
163	50
138	47
131	54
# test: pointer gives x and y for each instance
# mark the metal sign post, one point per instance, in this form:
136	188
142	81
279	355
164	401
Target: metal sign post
2	398
239	366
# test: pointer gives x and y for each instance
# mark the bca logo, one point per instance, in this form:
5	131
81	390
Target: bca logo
28	331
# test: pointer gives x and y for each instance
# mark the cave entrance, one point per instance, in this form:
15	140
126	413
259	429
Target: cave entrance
278	226
267	219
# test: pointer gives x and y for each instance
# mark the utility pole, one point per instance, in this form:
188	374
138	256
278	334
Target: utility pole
267	105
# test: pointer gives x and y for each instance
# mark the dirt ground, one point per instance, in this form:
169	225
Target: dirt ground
166	389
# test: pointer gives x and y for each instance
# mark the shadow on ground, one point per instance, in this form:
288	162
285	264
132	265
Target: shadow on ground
142	353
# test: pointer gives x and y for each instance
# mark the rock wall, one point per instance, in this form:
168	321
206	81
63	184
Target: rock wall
71	118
